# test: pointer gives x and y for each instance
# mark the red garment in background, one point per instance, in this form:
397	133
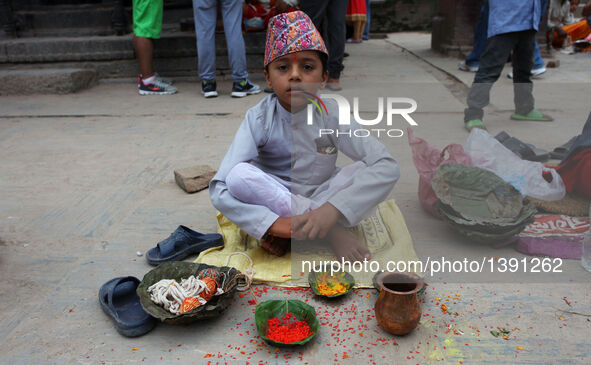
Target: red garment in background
356	11
576	173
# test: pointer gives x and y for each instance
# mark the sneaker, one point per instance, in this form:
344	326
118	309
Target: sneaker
535	73
242	88
157	87
165	80
465	67
208	88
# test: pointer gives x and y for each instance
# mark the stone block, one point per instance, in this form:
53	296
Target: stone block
46	81
63	49
195	178
3	55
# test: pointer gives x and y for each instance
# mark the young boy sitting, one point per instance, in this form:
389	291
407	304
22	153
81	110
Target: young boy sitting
279	177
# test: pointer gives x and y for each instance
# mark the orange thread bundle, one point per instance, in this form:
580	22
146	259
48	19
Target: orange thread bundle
212	287
189	303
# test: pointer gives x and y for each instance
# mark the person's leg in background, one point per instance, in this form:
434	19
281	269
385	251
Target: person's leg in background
491	65
523	56
205	15
232	17
359	24
523	60
538	67
356	16
480	39
336	12
365	36
147	26
316	10
144	52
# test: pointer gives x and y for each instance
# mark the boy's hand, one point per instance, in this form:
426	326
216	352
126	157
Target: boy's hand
316	223
281	228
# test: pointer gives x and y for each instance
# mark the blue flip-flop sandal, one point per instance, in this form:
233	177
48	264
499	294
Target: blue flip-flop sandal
119	301
182	243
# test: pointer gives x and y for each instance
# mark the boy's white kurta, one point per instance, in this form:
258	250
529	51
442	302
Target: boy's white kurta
285	147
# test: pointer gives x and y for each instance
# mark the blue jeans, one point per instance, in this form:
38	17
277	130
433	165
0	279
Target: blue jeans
205	14
366	29
481	39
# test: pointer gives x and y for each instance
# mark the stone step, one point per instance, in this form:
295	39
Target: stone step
128	68
69	49
88	19
175	54
70	17
46	81
67	32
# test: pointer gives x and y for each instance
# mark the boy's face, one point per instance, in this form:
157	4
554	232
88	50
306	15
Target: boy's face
294	75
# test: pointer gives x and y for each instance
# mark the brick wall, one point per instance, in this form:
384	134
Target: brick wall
401	15
453	25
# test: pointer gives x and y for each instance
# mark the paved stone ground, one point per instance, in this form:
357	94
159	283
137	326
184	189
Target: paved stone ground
87	180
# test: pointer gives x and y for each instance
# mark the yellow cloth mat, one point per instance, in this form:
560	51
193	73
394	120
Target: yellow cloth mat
385	234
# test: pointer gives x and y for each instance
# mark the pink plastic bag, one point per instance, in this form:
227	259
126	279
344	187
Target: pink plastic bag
427	159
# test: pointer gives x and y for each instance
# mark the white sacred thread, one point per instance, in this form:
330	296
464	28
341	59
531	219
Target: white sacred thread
170	294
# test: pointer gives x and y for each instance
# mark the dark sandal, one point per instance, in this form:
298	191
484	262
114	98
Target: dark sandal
523	150
533	116
119	300
182	243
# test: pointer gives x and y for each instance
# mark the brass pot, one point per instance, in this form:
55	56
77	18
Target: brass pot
397	309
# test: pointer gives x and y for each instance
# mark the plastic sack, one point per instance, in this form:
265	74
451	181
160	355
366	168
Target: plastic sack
526	176
426	160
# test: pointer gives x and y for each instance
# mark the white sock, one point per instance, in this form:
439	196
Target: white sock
149	80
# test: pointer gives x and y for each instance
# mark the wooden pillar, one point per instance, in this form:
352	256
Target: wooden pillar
7	18
453	26
118	21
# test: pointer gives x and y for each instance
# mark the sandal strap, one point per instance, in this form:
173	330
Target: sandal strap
120	281
166	246
474	123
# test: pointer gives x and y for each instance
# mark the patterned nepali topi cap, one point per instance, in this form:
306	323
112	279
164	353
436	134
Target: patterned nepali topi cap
289	33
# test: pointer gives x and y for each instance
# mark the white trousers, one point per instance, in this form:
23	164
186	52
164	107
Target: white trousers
251	185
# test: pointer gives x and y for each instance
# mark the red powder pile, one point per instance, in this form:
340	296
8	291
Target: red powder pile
287	329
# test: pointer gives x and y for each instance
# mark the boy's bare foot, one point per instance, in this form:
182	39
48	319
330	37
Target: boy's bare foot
275	245
281	228
346	246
